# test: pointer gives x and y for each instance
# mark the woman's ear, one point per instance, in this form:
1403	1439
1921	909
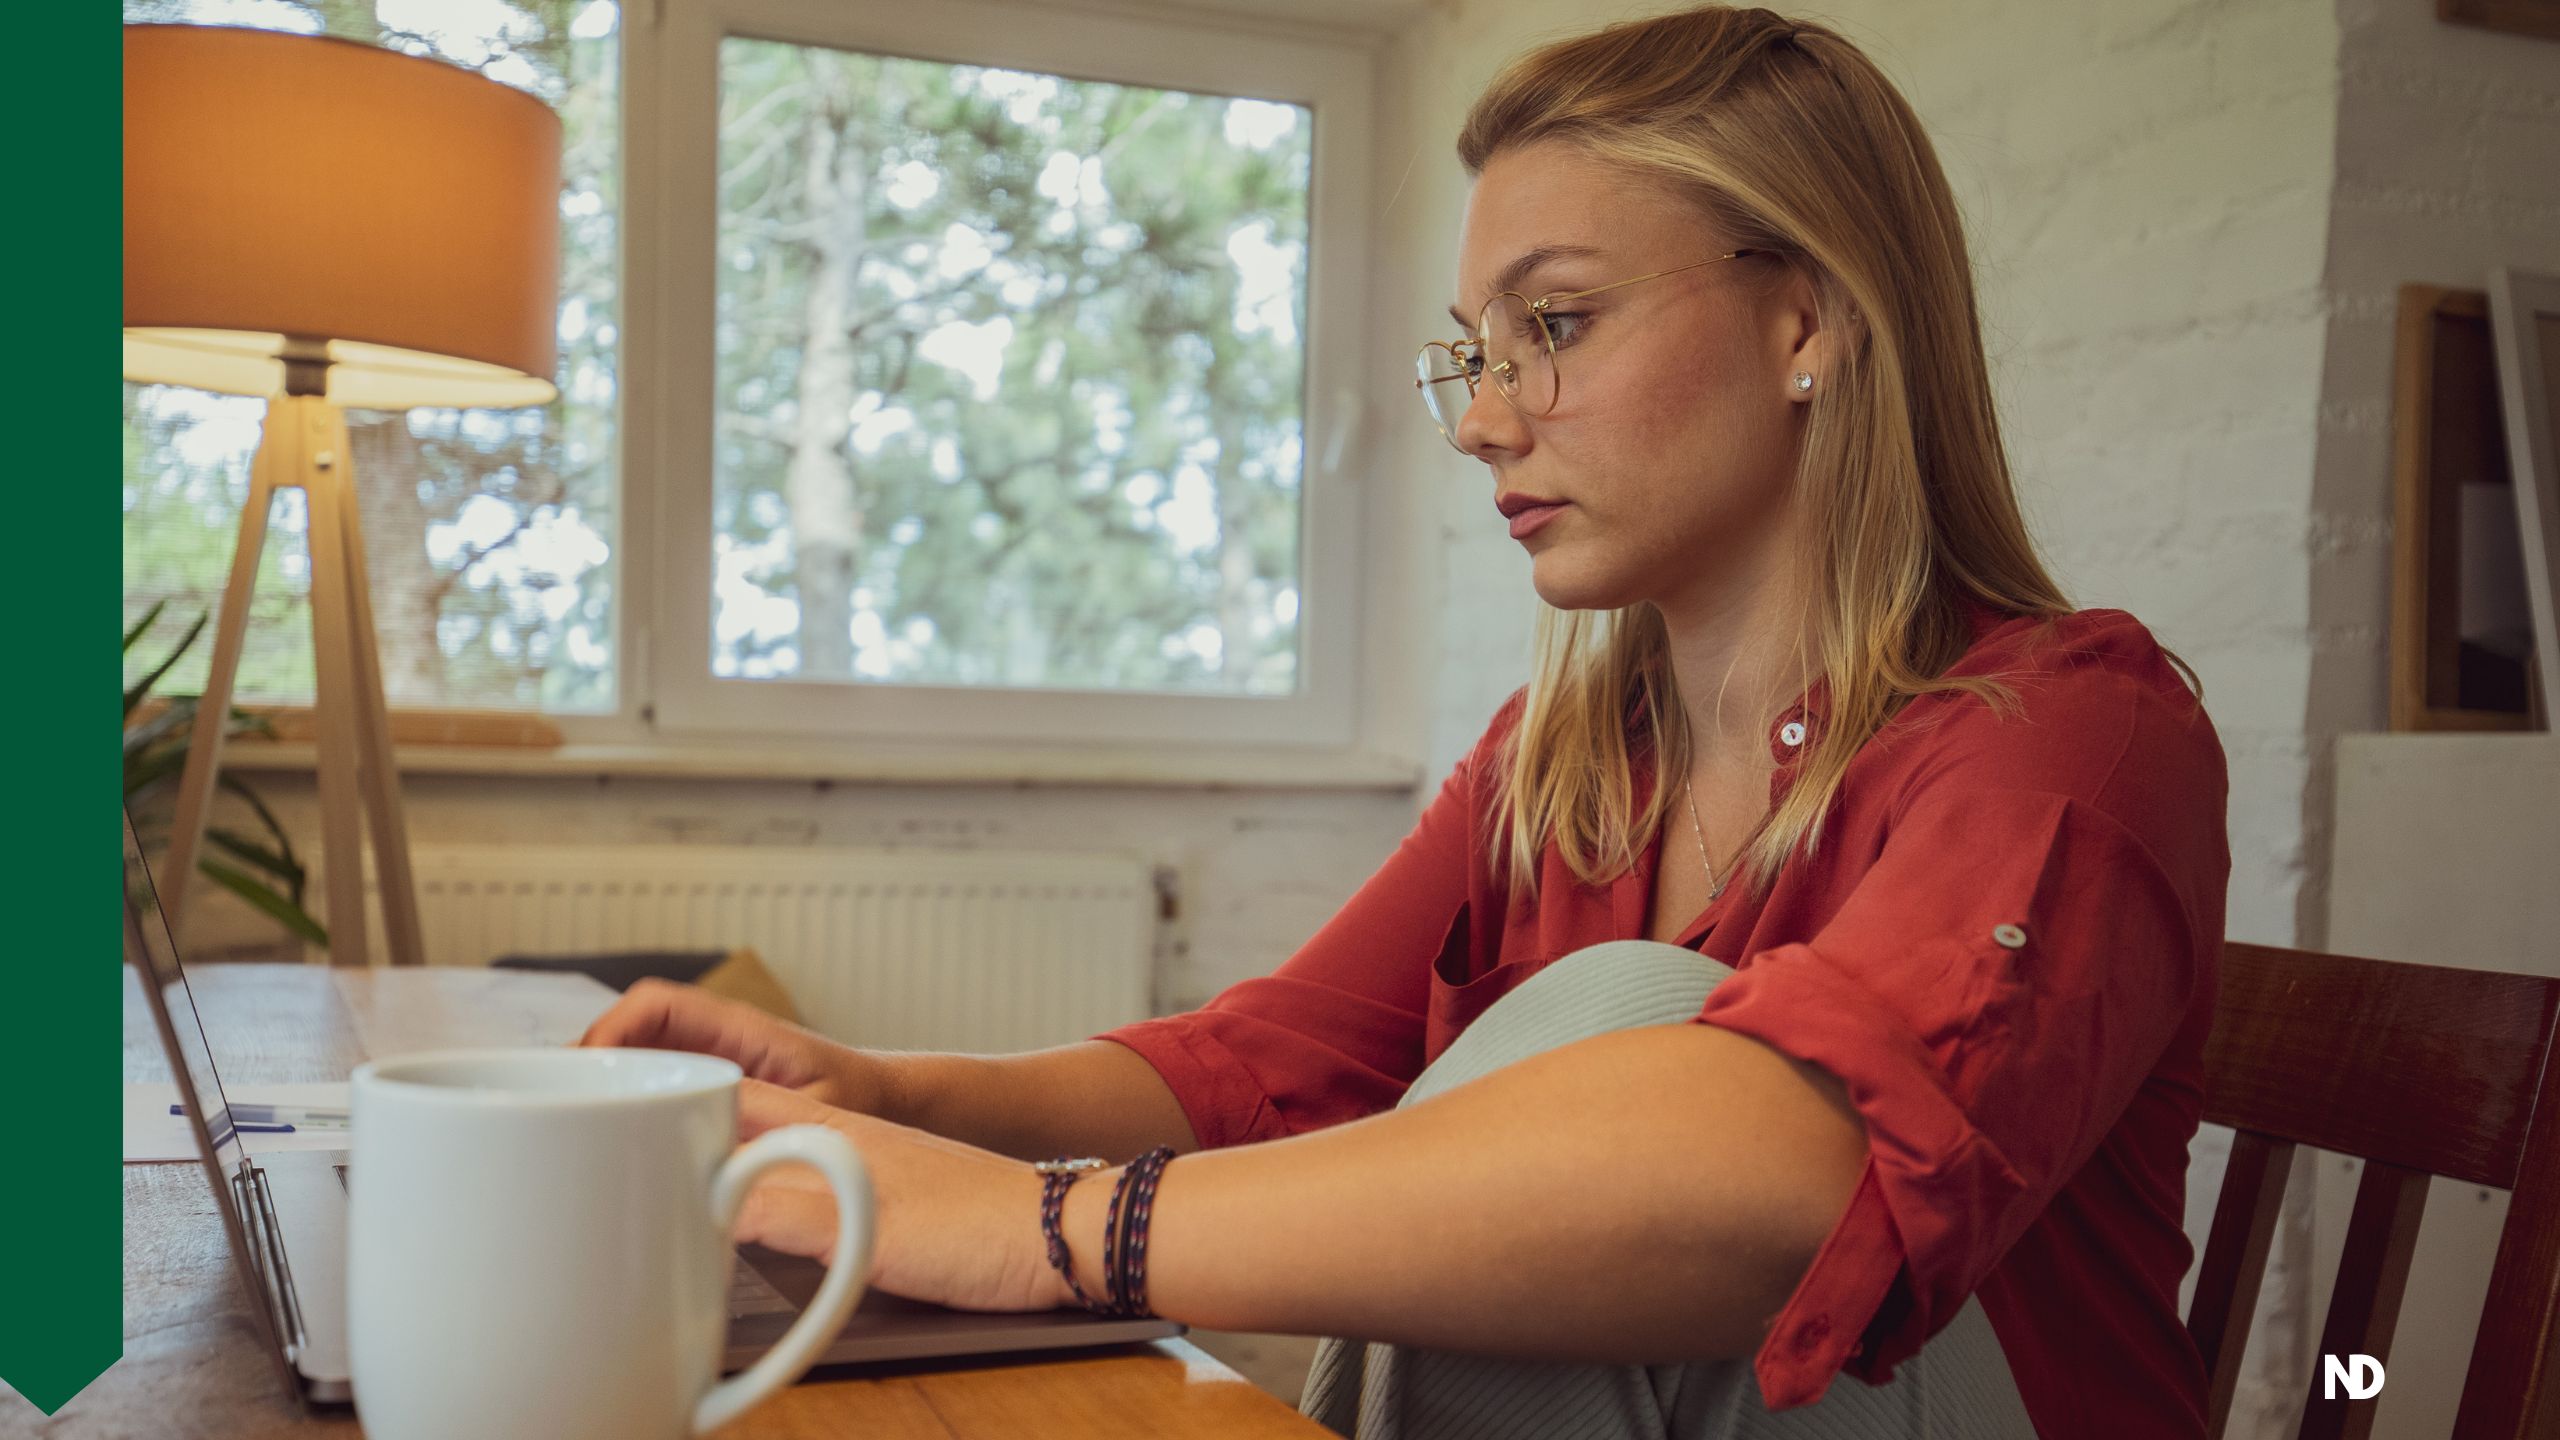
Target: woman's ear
1811	348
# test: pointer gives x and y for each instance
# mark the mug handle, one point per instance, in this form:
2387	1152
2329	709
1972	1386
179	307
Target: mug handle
834	1157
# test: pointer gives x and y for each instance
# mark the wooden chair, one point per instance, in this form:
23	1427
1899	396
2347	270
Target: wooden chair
2421	1070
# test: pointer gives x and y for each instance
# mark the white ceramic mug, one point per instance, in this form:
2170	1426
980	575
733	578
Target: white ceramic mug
538	1244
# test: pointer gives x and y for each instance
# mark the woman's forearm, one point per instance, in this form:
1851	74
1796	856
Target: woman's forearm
1090	1098
1644	1196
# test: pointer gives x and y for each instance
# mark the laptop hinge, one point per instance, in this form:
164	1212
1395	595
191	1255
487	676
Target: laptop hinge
266	1243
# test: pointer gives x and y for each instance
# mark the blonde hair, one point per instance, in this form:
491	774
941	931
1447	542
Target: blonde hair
1787	139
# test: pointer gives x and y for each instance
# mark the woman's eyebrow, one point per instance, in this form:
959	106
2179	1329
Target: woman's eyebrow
1520	269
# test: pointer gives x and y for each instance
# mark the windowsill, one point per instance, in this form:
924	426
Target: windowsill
861	763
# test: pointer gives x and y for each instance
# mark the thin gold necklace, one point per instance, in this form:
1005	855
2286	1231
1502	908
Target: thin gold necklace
1715	887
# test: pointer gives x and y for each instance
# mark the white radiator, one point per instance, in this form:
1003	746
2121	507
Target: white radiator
970	950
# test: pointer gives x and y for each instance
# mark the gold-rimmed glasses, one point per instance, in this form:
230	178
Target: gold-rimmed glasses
1515	343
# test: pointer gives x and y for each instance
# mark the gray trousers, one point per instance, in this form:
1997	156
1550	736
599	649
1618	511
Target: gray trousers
1957	1388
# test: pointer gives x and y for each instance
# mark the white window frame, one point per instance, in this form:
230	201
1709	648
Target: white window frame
670	75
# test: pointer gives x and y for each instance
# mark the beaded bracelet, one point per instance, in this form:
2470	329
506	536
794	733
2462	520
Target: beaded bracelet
1055	1177
1144	1174
1124	1229
1117	1300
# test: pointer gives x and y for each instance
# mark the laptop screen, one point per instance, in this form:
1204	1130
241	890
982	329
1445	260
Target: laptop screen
153	954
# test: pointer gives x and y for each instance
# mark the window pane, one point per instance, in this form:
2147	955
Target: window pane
1009	378
489	533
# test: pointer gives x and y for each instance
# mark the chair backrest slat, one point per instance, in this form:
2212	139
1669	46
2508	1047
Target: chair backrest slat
2419	1070
2235	1261
2513	1387
2373	1273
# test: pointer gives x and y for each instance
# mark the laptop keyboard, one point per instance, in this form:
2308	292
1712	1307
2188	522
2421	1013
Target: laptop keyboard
749	1292
752	1294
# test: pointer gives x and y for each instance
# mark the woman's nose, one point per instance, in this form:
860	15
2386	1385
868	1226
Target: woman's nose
1491	424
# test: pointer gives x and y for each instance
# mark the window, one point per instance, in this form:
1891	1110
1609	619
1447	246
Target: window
490	534
972	370
1008	377
1004	386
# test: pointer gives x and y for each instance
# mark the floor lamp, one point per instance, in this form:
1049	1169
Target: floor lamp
328	224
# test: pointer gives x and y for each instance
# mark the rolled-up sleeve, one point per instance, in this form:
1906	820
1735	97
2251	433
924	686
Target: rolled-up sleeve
1991	995
1337	1031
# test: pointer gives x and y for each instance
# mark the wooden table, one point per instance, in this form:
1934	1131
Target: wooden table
192	1364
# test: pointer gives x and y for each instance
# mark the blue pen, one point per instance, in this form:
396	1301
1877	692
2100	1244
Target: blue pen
282	1118
245	1127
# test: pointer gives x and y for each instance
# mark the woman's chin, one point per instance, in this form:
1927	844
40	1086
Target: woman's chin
1567	585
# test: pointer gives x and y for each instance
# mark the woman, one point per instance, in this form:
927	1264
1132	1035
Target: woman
1805	700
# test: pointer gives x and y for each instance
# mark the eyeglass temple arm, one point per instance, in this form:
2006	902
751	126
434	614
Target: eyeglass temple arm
1543	301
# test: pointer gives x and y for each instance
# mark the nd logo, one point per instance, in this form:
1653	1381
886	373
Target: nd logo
2361	1374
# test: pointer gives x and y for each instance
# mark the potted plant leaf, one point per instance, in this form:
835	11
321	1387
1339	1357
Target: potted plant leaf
262	868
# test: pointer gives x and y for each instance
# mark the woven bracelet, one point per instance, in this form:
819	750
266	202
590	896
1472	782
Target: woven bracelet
1115	1299
1053	1200
1129	1283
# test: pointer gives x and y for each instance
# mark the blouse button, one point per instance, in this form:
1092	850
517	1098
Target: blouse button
1792	732
1815	1331
2010	935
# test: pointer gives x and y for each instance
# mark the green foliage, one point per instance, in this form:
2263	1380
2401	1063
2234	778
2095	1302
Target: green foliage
1120	509
483	528
155	752
1023	534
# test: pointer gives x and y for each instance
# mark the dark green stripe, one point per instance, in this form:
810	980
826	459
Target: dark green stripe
61	1226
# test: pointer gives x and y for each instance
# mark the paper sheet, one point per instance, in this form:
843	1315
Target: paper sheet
151	1133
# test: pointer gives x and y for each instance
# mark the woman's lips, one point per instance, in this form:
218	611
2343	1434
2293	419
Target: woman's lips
1533	517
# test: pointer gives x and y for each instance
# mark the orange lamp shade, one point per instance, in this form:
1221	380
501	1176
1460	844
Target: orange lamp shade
284	193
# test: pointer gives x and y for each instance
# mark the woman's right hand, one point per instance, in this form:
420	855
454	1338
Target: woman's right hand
663	1015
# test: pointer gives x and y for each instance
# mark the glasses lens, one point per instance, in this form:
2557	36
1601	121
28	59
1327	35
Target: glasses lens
1444	387
1519	356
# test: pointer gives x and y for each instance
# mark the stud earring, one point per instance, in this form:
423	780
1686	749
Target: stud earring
1804	382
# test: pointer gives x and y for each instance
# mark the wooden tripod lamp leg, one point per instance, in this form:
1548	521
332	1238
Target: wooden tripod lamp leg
371	723
304	446
204	750
333	666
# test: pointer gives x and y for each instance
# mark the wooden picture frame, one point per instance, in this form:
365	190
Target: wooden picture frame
2446	432
2538	18
2524	320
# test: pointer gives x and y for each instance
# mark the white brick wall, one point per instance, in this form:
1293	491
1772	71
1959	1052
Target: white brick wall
2448	164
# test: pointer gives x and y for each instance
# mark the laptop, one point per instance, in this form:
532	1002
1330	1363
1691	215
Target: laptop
284	1216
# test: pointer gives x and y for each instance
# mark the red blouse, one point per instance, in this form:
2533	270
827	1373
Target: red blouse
2006	948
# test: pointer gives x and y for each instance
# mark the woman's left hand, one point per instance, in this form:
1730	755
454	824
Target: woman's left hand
955	1225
